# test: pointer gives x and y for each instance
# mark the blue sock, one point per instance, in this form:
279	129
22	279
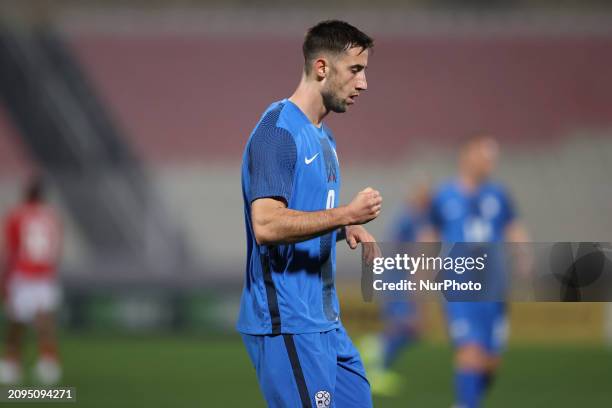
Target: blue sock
469	387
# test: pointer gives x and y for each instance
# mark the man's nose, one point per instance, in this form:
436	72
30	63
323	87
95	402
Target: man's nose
362	84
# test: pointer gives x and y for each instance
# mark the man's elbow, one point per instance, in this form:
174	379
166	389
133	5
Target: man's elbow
263	235
266	215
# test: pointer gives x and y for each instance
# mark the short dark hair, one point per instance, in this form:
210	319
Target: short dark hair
333	36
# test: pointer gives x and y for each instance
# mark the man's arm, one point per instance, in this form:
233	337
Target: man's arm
522	252
428	234
274	223
516	232
6	261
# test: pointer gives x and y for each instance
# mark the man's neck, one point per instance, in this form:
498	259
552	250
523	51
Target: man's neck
308	98
468	182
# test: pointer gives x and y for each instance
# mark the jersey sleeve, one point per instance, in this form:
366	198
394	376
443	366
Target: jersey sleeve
507	207
272	158
11	237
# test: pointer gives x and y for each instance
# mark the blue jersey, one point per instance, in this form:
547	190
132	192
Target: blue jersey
290	288
478	216
481	216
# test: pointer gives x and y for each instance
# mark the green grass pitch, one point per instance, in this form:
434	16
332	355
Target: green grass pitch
190	371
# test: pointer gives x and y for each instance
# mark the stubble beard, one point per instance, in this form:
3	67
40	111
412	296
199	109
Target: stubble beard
331	101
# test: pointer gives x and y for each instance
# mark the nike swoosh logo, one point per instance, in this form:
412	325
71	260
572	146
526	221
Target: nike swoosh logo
308	161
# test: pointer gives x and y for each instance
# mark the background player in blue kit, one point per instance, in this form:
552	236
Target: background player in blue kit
400	315
474	208
289	313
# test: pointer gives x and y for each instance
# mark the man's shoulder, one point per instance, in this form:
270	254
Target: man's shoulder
446	190
10	216
276	119
16	212
282	121
271	115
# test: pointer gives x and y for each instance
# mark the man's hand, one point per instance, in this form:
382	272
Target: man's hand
356	234
365	207
523	256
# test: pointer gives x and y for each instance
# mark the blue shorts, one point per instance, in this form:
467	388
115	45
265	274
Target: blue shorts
308	370
481	323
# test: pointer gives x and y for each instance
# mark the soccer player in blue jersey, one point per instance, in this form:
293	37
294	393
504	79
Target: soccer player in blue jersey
289	313
400	315
474	208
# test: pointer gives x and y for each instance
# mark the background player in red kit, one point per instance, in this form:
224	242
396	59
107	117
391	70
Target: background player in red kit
29	284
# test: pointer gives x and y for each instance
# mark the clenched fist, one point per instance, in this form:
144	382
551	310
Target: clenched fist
365	206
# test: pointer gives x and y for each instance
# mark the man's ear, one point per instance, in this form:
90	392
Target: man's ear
321	68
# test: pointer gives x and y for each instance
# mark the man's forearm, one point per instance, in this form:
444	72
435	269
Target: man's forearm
286	226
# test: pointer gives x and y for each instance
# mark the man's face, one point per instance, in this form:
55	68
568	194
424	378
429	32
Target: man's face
482	157
346	79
